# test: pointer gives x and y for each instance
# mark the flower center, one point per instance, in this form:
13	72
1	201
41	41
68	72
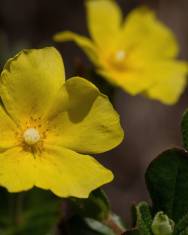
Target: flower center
118	60
120	56
31	136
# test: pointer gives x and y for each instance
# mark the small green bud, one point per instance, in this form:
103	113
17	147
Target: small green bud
162	225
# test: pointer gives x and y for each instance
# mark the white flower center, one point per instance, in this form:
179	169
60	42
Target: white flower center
120	55
31	136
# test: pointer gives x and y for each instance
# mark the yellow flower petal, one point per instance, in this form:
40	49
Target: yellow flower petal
104	19
171	82
67	173
30	81
90	125
133	82
146	35
8	131
88	46
161	80
17	170
64	172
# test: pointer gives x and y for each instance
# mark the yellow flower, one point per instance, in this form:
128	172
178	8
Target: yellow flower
48	125
137	55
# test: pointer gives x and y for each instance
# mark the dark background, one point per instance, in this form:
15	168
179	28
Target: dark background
150	127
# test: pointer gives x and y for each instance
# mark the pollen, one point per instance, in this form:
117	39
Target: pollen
120	55
31	136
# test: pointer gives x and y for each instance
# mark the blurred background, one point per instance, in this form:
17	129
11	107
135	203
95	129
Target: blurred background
150	127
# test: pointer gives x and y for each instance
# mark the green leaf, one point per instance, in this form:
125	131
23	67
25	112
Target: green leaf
96	206
33	212
5	210
184	129
167	182
185	232
42	213
143	218
182	226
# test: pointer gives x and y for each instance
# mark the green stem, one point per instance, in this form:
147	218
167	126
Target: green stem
16	209
18	219
114	226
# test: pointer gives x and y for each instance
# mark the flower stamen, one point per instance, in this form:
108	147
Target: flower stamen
31	136
120	55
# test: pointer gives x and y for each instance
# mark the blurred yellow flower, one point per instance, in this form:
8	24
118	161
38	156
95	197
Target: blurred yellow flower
48	125
139	55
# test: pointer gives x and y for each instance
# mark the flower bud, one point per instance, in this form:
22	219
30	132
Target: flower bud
162	225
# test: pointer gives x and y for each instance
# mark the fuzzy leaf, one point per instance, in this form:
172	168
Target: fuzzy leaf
167	182
182	226
143	218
